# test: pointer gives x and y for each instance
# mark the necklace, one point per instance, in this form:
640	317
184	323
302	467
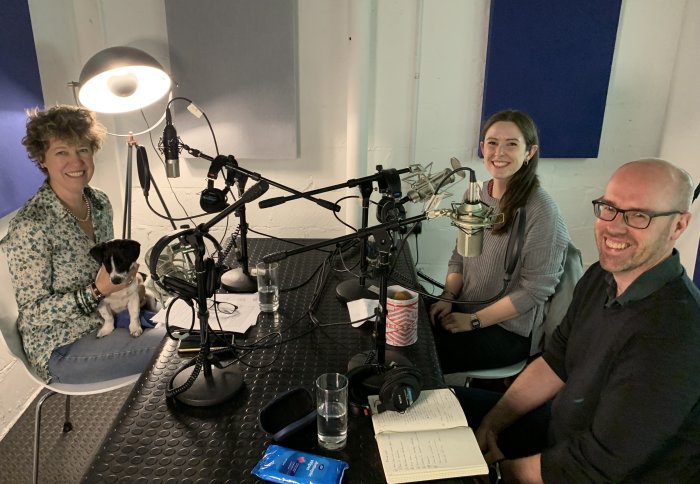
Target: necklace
89	211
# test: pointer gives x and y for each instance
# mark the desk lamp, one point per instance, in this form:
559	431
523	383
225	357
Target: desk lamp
119	80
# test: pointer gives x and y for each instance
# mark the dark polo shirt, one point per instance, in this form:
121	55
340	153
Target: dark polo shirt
629	411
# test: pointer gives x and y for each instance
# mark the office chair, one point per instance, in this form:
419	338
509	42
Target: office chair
13	342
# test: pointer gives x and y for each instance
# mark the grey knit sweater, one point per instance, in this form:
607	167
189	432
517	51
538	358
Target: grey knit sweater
536	274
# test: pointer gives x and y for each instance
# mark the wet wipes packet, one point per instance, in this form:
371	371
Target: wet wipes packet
280	464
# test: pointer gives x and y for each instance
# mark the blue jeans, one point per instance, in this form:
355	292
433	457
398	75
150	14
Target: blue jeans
92	359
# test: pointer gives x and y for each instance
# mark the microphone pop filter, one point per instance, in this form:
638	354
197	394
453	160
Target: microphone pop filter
143	169
455	164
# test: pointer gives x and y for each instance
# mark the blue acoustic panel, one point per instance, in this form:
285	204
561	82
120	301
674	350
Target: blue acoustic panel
20	88
552	58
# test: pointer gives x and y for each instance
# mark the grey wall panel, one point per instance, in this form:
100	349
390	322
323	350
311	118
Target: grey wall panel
237	61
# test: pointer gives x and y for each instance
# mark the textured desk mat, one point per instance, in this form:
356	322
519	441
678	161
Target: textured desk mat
157	439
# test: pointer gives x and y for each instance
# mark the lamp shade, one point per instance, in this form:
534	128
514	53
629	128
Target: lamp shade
122	79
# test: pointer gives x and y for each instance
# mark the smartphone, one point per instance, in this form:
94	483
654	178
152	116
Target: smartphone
193	341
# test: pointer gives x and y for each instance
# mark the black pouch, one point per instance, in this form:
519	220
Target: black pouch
288	413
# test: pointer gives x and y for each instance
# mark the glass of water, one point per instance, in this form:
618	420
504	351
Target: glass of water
268	286
332	410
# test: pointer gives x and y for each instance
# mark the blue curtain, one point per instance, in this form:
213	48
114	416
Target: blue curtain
20	88
552	58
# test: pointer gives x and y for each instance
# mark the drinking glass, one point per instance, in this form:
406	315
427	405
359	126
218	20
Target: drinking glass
332	408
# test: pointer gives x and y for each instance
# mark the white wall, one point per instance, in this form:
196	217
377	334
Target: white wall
682	125
424	103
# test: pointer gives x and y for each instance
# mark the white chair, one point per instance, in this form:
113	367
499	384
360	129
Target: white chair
465	377
554	311
13	342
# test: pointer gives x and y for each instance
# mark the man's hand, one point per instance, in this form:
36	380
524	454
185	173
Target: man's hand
491	451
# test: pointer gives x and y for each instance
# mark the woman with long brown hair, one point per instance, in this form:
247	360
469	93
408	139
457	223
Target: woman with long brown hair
472	335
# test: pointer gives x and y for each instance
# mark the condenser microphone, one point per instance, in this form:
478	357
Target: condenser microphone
171	147
426	186
471	218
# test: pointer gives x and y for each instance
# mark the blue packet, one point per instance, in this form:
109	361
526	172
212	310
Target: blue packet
289	466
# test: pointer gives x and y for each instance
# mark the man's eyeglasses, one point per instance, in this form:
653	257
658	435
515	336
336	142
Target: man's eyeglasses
636	219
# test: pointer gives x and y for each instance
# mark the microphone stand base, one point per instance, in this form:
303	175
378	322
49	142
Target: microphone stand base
235	280
351	290
207	390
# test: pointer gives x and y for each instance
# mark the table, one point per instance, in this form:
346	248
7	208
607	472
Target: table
156	439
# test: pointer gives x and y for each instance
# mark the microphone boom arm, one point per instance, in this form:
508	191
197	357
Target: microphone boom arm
384	241
360	234
353	182
232	164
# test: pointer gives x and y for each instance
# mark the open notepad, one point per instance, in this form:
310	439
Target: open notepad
430	440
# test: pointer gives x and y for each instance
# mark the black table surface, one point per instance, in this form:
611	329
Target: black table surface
159	439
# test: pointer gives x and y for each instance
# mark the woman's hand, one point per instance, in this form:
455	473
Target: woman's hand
104	283
456	322
439	310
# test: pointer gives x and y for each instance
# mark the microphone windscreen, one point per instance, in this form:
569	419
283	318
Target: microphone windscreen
255	191
270	202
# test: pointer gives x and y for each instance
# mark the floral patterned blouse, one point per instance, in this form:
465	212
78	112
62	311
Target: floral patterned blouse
47	254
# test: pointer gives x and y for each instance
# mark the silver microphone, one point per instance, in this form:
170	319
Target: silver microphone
471	218
171	147
426	186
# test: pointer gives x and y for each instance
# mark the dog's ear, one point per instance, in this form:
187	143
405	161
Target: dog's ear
98	252
132	249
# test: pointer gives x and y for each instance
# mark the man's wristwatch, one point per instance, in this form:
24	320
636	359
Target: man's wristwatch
448	293
476	324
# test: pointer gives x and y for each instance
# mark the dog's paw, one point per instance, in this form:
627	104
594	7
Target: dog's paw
104	331
135	329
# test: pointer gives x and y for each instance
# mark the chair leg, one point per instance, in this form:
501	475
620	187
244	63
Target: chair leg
67	424
37	434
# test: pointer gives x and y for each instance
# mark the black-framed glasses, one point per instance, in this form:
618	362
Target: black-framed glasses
222	307
637	219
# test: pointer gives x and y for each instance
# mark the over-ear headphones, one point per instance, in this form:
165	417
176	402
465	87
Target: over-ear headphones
397	386
213	200
389	209
182	288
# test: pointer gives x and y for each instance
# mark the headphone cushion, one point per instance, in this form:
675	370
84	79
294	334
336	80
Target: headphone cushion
213	200
401	387
363	380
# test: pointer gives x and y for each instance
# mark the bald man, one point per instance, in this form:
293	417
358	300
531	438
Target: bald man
616	395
